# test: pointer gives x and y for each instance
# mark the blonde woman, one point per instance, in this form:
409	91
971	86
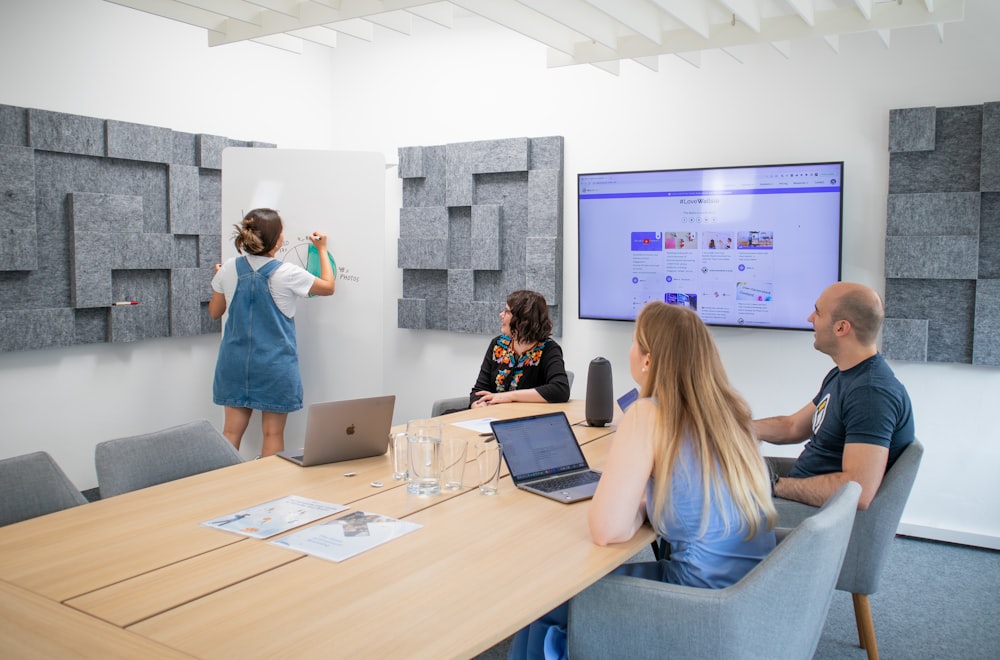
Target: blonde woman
685	458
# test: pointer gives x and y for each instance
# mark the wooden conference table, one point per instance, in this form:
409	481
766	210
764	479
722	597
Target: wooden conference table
137	575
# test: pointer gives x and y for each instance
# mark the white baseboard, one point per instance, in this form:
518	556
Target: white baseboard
949	536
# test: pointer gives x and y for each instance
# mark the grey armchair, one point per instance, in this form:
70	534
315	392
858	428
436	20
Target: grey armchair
32	485
131	463
462	402
874	530
628	617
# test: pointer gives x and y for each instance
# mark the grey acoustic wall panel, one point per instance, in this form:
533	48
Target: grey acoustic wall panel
98	212
18	231
911	129
942	250
905	339
499	204
991	148
986	341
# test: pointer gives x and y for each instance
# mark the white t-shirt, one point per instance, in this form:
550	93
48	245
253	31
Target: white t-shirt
288	282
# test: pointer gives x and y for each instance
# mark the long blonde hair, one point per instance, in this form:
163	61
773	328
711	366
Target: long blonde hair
695	401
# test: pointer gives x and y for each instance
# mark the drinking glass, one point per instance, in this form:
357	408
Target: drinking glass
423	451
488	457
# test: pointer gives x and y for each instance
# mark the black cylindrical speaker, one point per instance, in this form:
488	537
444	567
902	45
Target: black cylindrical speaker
600	401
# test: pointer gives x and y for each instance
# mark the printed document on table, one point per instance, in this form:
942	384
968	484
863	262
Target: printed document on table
274	517
346	536
477	425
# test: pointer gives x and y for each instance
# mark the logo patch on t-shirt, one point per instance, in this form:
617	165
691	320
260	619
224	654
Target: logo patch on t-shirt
820	413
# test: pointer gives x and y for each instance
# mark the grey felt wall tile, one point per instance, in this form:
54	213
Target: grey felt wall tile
91	261
70	134
947	306
210	205
932	257
546	153
423	222
953	165
420	253
18	229
209	151
92	325
540	271
933	214
209	250
186	286
150	319
486	237
986	338
990	176
461	285
545	203
411	162
911	129
185	149
97	212
429	190
905	339
13	126
473	317
139	142
184	202
411	313
27	329
185	251
134	251
18	249
989	236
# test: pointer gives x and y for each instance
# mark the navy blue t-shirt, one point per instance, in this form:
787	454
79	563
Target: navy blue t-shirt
865	403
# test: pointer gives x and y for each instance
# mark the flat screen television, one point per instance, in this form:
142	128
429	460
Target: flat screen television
743	246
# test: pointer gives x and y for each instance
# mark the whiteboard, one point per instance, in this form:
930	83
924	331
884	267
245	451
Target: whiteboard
343	195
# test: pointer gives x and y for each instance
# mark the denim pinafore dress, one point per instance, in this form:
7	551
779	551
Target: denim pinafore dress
258	365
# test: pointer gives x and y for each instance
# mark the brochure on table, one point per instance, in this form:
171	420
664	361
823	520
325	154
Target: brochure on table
346	536
274	517
477	425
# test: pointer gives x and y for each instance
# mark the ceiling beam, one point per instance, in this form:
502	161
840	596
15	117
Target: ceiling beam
847	20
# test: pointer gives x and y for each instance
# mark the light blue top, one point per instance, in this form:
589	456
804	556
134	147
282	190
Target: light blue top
716	559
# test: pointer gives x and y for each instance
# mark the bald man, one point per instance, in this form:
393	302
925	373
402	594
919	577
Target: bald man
860	421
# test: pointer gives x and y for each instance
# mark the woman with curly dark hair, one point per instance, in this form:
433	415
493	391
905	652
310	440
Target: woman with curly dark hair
523	363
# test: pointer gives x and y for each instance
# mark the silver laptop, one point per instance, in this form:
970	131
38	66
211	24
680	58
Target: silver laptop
544	457
344	430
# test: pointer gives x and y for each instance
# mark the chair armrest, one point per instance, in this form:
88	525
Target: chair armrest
629	617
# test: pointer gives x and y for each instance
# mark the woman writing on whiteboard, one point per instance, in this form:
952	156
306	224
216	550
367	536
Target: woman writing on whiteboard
686	459
523	363
258	366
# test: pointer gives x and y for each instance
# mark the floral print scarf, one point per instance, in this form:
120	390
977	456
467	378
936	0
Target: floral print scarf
512	367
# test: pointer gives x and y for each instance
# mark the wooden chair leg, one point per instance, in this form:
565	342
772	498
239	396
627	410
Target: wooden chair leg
866	627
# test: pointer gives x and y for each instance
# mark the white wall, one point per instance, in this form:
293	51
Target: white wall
478	82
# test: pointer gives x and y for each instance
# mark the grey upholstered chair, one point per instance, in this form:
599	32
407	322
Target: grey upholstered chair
33	485
776	611
462	402
131	463
874	530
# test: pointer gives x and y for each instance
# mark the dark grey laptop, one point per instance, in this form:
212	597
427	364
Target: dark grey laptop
543	457
344	430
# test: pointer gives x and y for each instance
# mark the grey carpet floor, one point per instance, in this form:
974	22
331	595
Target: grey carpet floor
936	600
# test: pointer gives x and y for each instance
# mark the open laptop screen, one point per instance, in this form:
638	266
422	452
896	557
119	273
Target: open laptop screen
539	445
